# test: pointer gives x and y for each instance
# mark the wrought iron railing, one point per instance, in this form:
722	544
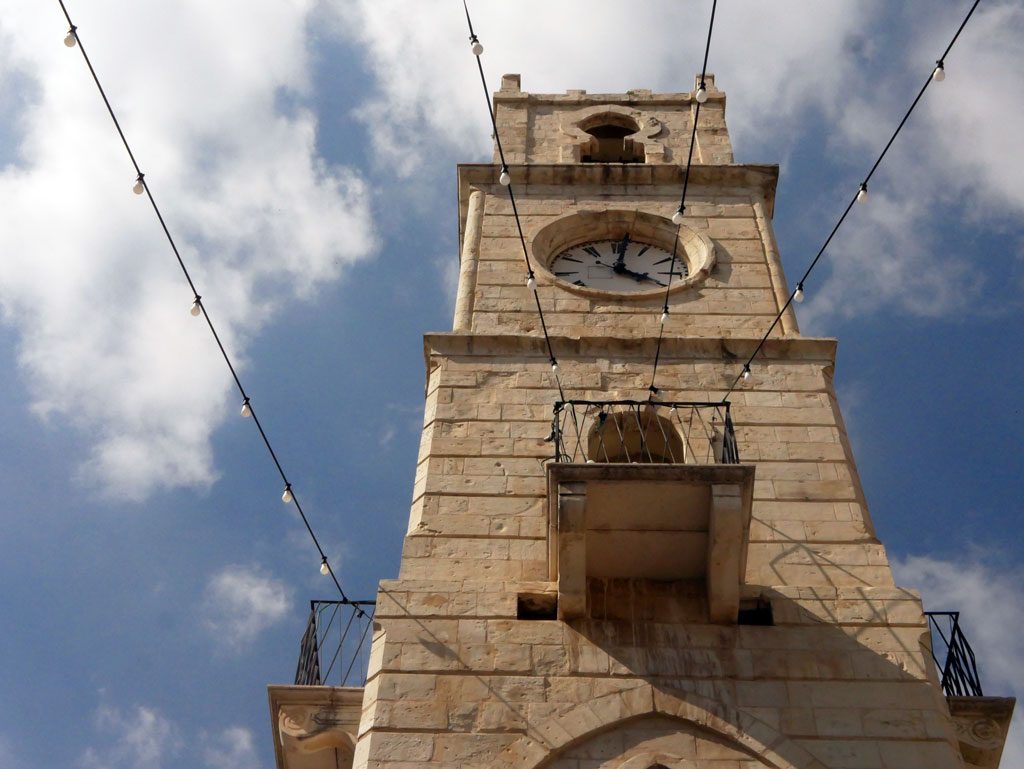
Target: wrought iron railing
668	432
334	644
958	668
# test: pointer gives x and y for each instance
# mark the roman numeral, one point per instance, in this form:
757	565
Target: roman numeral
592	251
641	251
579	283
572	259
666	259
573	272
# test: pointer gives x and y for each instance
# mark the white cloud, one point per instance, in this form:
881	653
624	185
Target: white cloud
991	610
141	739
240	603
8	758
203	91
429	88
786	68
233	748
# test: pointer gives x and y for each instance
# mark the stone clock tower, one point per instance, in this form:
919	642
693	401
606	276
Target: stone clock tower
615	577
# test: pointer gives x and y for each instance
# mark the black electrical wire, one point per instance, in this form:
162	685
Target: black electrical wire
197	299
515	210
682	202
863	187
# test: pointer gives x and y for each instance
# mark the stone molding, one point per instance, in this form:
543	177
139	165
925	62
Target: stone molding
602	713
724	350
695	249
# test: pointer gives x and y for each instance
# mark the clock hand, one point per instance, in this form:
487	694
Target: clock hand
621	258
638	276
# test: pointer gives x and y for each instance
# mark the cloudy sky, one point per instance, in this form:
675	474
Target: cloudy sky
303	154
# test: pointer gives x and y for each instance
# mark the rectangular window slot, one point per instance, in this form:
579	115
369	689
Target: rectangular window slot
537	606
755	612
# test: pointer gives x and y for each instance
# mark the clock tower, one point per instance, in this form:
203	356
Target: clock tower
625	563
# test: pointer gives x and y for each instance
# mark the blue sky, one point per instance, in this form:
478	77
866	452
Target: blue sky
304	156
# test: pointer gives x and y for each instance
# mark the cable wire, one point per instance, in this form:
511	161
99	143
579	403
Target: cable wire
198	302
653	390
515	210
860	192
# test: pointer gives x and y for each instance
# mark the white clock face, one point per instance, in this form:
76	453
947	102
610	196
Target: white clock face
619	265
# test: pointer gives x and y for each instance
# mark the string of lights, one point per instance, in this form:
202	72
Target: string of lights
936	75
505	178
141	186
700	97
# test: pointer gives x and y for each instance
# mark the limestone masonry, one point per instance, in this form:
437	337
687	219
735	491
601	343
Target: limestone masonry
668	609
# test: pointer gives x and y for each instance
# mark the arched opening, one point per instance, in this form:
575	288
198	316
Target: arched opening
610	142
636	435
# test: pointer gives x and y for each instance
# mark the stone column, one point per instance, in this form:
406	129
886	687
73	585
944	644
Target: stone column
779	285
468	262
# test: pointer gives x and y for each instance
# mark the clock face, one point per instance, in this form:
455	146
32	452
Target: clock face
619	265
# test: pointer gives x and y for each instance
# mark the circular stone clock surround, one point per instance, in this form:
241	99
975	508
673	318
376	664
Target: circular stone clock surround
696	249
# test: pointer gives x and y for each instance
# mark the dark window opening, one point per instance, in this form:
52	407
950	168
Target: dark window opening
610	145
756	612
537	606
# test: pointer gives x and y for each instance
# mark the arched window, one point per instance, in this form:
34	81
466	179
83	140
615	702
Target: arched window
610	142
636	435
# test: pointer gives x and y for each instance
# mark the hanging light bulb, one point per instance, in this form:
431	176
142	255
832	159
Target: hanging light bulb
664	317
71	38
939	73
287	496
746	372
862	194
477	46
246	411
554	366
673	410
140	186
798	295
702	94
196	308
505	179
531	282
677	217
324	568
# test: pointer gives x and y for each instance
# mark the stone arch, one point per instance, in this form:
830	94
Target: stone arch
575	137
632	436
557	734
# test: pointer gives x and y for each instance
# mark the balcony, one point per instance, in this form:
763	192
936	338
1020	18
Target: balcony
981	722
644	432
647	490
315	722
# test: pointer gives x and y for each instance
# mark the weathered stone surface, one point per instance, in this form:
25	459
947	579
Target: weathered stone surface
645	664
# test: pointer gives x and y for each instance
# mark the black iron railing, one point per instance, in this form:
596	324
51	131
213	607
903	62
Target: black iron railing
667	432
958	668
334	644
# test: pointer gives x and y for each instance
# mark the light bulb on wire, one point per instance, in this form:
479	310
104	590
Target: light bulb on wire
677	217
140	186
70	38
477	47
197	307
702	94
746	372
798	295
287	496
554	366
939	73
531	282
505	179
246	411
324	568
862	194
664	317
